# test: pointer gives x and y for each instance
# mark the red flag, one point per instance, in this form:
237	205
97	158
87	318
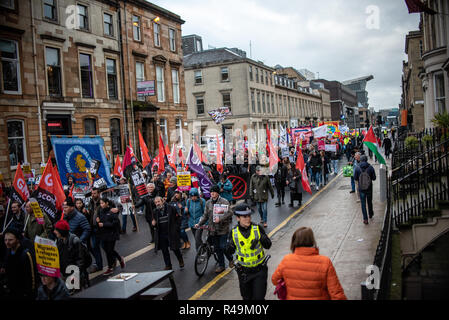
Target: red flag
302	168
199	153
127	159
274	159
118	167
51	182
132	149
161	156
219	157
181	157
172	158
146	160
20	190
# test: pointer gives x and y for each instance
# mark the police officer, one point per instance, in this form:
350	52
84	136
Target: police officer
247	242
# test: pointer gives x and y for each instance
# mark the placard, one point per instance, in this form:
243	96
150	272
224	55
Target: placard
184	181
139	183
37	211
124	194
219	211
145	88
47	257
27	173
330	147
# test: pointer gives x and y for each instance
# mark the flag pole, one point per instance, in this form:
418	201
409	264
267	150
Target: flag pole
6	216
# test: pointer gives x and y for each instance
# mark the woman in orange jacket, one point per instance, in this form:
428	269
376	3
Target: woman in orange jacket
308	275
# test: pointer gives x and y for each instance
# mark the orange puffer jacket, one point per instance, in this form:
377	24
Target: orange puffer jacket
309	276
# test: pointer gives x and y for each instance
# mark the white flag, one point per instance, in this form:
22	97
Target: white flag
320	131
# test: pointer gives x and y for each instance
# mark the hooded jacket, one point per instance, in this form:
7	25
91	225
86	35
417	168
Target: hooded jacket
79	225
308	276
59	292
223	226
369	169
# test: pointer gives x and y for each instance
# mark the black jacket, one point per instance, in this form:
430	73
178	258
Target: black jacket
111	225
21	274
174	224
369	169
315	163
69	252
59	292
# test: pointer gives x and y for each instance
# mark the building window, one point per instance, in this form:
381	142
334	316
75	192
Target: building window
272	104
440	97
172	37
263	103
16	142
257	75
10	67
116	135
108	25
198	77
258	102
9	4
261	76
157	34
140	76
136	28
179	130
90	127
53	71
86	75
50	11
112	78
163	126
253	102
227	100
83	18
160	84
251	73
175	80
266	77
199	104
224	74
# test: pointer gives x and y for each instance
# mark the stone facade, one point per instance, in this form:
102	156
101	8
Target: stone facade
435	76
82	55
412	91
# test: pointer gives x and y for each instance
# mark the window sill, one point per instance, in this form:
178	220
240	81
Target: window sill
84	30
199	84
56	22
113	37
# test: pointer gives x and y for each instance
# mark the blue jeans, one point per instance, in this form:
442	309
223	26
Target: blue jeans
262	209
317	178
219	243
335	166
125	220
96	251
367	196
352	184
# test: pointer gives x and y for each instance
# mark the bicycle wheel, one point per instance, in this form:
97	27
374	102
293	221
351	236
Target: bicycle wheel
201	260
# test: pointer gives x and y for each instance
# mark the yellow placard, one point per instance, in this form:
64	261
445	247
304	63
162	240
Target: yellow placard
184	179
47	256
37	210
26	169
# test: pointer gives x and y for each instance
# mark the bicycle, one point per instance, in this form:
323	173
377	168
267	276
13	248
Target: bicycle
205	251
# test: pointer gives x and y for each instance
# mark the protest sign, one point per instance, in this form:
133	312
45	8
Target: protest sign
124	193
331	147
139	183
27	173
219	211
47	257
321	145
184	181
37	211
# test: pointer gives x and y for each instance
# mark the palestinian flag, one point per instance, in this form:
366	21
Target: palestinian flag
371	142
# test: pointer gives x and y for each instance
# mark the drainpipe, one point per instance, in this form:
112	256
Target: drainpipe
129	78
36	85
122	72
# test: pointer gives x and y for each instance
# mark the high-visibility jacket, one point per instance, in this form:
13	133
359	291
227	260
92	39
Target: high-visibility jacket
246	256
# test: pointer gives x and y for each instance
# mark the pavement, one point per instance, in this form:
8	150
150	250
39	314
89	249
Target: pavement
335	217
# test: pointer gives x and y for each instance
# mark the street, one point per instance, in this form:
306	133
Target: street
140	256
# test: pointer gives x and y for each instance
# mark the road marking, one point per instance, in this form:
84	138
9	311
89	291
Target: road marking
204	289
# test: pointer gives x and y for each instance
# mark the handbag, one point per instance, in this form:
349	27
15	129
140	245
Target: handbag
281	290
348	171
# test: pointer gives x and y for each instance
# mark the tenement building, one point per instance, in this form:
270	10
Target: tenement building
69	68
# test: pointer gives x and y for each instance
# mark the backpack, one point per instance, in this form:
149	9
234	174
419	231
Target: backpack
364	180
84	252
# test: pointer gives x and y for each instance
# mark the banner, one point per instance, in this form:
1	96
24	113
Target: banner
321	145
240	183
47	257
301	133
184	181
74	156
219	115
320	132
330	147
196	166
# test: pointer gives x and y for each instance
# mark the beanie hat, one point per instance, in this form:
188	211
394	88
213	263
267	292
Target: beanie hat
15	231
62	225
215	188
194	192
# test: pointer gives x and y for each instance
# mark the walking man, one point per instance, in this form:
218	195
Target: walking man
248	241
258	187
365	175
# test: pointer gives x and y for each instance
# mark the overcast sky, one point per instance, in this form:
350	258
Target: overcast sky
337	39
